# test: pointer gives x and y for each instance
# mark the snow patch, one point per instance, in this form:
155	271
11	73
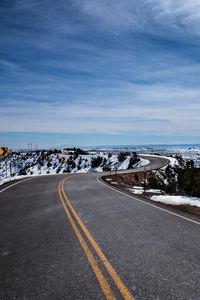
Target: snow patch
177	200
143	162
139	190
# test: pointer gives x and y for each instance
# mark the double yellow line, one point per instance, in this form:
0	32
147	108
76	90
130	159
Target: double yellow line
84	236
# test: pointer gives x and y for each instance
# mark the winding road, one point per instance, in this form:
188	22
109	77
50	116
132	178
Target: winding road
73	237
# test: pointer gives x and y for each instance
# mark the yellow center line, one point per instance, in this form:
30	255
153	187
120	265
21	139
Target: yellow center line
117	280
100	277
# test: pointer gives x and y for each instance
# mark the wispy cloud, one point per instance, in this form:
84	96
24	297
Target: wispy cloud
100	66
165	112
156	17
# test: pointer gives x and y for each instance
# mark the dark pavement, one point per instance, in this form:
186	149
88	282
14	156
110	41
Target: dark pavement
156	254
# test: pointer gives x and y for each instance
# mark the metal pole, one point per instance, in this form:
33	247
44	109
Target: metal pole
10	169
144	179
6	167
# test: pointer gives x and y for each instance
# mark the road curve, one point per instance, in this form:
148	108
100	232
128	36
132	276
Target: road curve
155	162
70	237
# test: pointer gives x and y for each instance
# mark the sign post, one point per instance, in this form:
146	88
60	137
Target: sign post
10	169
145	171
6	168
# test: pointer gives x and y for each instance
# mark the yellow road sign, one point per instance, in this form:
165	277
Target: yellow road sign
62	159
4	151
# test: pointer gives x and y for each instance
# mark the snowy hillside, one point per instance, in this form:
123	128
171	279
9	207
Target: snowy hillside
58	162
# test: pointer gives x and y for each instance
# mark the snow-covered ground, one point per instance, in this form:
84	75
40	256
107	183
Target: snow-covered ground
21	165
138	190
167	199
173	162
191	153
143	162
9	179
177	200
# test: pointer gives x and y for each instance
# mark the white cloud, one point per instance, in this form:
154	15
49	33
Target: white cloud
168	111
155	16
92	82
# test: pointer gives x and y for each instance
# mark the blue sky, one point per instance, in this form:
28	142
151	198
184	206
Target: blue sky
89	72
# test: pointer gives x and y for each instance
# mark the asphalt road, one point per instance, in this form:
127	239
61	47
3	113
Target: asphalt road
71	237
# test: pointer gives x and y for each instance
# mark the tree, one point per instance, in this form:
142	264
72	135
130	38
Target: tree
96	161
104	161
75	156
22	172
121	156
73	165
133	160
80	161
190	164
49	164
106	168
